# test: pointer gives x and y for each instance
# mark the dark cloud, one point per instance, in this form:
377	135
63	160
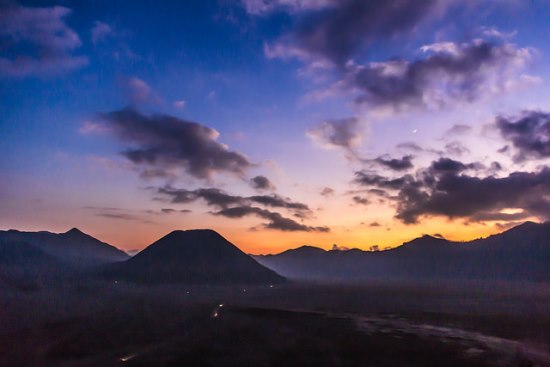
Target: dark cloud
372	179
395	164
448	165
374	224
261	183
448	73
122	216
233	206
37	41
277	201
379	192
360	200
218	198
337	38
348	27
162	145
462	196
444	189
275	220
212	196
327	192
165	211
342	133
118	216
529	134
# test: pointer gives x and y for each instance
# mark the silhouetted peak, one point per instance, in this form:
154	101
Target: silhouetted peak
192	235
75	231
188	243
306	249
181	232
198	255
527	224
425	241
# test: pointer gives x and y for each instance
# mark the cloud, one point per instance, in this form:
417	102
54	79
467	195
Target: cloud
327	192
218	198
112	42
275	220
343	28
445	190
410	146
118	216
37	42
163	146
165	211
101	31
262	7
402	164
458	129
529	134
262	183
335	38
448	73
448	165
179	104
360	200
342	133
366	178
123	216
456	148
139	92
462	196
233	206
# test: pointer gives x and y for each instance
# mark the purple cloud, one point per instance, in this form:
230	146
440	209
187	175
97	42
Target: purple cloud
39	42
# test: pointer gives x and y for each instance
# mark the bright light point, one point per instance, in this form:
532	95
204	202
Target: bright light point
271	286
221	305
127	358
215	314
415	131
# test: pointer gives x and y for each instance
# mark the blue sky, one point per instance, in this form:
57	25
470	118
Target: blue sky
310	95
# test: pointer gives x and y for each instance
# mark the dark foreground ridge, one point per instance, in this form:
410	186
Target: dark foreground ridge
194	256
521	253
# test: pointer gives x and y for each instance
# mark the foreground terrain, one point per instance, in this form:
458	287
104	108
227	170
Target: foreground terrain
377	324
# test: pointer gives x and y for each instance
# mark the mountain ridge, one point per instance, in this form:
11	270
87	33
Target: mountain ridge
522	252
72	247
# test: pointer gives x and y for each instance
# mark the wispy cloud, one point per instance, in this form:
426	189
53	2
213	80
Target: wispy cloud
37	41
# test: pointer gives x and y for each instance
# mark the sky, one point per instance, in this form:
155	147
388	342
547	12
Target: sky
278	123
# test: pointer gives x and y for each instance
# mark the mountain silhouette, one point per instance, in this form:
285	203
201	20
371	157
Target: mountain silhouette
521	253
73	247
193	256
27	267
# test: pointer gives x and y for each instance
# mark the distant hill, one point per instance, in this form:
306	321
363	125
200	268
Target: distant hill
194	256
72	247
24	266
521	253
